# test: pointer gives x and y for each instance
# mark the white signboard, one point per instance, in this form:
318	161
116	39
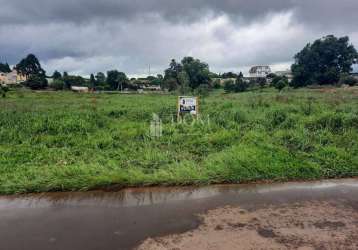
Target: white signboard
188	105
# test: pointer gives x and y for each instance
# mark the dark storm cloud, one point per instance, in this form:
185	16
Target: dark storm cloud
88	35
314	11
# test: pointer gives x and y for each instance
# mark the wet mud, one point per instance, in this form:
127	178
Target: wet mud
275	216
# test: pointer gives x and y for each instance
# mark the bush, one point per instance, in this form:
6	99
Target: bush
229	86
3	90
203	90
36	82
261	81
348	80
58	84
281	84
216	84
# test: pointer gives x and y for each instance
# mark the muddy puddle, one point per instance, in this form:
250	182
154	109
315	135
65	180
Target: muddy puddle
141	217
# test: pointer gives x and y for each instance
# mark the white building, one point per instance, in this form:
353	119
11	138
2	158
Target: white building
259	71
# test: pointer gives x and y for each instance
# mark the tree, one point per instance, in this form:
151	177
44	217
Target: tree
56	75
281	84
30	66
323	61
171	75
236	86
229	86
58	84
229	75
261	81
183	79
100	78
117	80
170	84
71	80
240	85
66	80
198	72
92	82
36	82
5	68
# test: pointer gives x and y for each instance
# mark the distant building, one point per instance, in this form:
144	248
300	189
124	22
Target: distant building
152	88
80	89
12	78
259	71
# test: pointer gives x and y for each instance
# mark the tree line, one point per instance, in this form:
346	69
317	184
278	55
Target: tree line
326	61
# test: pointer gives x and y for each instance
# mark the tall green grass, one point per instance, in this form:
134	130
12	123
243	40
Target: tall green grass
66	141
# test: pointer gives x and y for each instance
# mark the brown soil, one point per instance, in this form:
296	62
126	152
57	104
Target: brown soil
306	225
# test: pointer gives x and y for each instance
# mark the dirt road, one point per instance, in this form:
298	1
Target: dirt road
315	215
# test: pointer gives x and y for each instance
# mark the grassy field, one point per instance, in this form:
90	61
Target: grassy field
66	141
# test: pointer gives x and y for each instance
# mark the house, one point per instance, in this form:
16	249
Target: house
259	71
12	77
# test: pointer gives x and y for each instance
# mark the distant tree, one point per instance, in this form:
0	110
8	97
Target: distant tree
229	86
117	80
56	75
183	79
170	84
198	72
229	75
92	82
323	61
240	85
216	84
280	84
30	66
5	68
203	90
261	81
36	82
66	80
58	84
100	78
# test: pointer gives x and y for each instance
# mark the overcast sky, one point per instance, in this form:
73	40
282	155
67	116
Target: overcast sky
85	36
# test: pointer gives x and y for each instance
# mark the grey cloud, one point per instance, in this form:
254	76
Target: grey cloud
314	11
90	35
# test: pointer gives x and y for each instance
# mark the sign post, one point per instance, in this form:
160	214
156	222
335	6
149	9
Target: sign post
188	105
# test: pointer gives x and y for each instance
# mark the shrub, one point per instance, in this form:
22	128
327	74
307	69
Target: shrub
229	86
216	84
36	82
3	90
348	80
202	90
58	84
281	84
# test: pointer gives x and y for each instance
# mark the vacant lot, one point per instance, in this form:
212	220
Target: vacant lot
66	141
